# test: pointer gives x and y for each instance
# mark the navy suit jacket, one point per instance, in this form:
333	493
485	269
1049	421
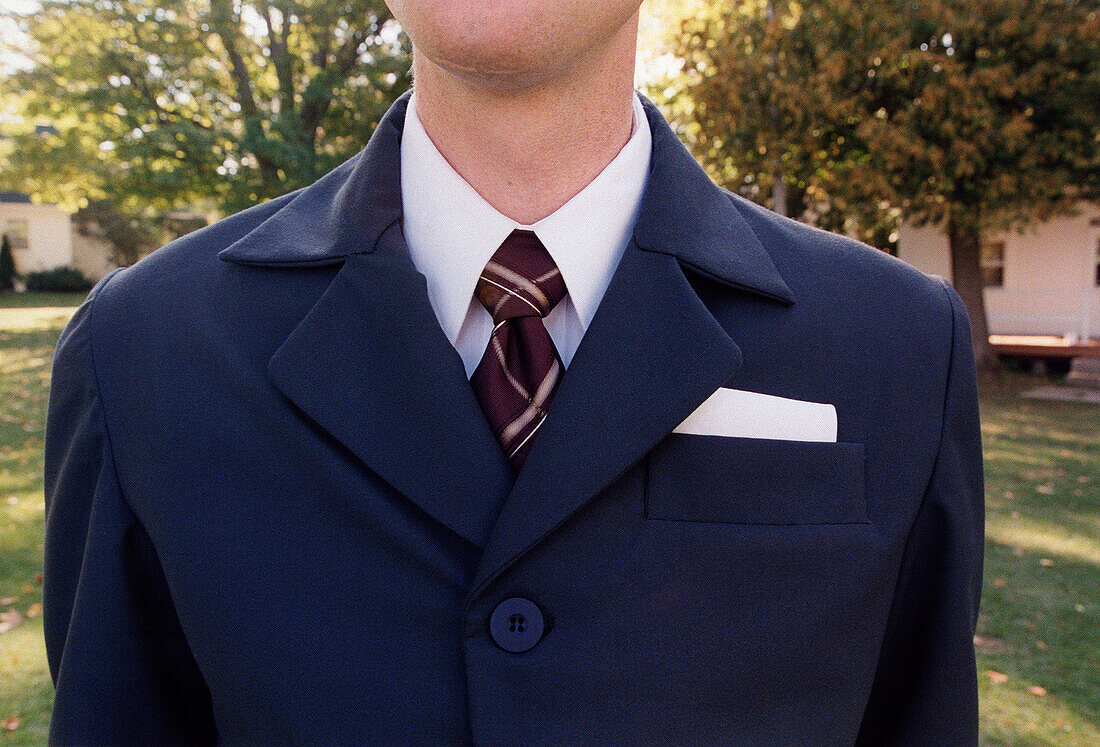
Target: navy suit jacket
276	514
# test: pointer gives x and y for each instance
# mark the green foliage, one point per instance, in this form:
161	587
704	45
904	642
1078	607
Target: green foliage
973	113
985	107
162	103
762	93
58	280
7	263
130	234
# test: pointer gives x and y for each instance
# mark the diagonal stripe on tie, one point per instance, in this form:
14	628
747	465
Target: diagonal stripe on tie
520	370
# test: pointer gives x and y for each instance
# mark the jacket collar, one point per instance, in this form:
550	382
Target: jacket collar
343	213
687	215
683	213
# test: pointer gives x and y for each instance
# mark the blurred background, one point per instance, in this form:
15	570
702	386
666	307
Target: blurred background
959	135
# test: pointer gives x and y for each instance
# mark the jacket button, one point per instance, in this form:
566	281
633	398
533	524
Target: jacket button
516	625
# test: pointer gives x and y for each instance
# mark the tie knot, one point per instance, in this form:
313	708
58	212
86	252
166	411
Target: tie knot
521	279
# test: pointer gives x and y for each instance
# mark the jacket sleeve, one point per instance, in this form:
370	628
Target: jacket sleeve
121	668
925	689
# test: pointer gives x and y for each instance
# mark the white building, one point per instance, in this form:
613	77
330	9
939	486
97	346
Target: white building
42	238
1043	281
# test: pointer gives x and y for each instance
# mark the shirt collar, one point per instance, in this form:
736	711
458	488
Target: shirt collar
452	231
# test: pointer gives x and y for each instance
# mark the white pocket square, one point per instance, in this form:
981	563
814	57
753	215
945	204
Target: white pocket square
732	412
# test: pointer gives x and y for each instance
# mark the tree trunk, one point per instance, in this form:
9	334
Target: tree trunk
779	191
965	240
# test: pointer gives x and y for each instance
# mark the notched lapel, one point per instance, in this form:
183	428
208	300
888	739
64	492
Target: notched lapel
652	353
370	365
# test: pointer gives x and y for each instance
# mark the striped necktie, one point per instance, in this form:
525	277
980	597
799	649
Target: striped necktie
520	369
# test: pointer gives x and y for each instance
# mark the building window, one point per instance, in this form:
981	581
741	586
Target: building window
993	264
16	231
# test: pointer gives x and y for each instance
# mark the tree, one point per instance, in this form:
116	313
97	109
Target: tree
763	95
976	114
988	119
170	102
130	235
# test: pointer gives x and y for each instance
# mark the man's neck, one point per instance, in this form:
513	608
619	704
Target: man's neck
527	151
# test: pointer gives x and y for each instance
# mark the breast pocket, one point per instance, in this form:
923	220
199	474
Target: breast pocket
755	481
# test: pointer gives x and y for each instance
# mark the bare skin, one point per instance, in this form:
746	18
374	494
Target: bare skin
528	100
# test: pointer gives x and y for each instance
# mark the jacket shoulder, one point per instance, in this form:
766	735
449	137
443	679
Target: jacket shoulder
819	263
176	275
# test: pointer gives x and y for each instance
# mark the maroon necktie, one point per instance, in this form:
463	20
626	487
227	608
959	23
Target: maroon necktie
520	369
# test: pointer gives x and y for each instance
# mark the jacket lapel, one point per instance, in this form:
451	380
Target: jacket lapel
651	355
369	363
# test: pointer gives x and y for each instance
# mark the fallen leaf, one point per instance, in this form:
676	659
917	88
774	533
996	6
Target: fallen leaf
987	644
11	724
1045	489
998	583
27	587
8	601
1046	562
34	610
997	678
1041	645
38	578
1037	691
1018	552
9	620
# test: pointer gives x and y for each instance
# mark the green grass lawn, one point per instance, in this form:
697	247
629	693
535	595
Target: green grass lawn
1039	632
29	326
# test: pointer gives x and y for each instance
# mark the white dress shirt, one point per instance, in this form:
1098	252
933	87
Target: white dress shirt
452	232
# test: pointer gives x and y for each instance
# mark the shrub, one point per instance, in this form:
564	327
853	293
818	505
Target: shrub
63	279
7	264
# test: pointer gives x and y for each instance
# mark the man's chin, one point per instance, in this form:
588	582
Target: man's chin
499	74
